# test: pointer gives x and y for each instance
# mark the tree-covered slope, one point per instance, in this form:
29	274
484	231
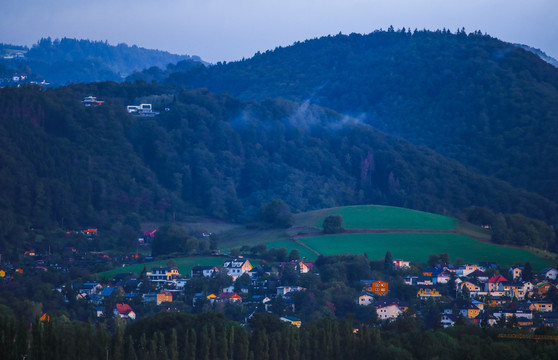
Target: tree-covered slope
486	103
63	61
66	165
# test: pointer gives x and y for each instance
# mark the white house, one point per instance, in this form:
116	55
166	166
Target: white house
365	298
237	267
550	273
388	312
160	275
401	264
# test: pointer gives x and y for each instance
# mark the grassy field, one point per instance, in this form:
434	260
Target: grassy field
468	242
184	265
304	252
418	246
389	217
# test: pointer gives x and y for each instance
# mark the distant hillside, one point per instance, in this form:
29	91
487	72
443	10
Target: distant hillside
473	98
540	53
64	61
69	166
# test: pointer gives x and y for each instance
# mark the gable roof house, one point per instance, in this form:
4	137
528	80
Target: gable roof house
237	267
365	298
495	283
124	311
441	278
549	273
516	272
388	310
514	289
471	286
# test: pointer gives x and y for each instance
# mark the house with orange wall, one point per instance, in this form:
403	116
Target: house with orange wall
378	287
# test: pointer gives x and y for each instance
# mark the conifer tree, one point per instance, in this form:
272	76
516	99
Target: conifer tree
173	347
131	352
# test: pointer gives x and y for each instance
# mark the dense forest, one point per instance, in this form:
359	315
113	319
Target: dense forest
489	104
63	61
177	336
67	166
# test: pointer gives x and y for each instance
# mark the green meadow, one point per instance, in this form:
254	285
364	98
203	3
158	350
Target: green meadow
458	239
417	247
184	265
305	253
389	217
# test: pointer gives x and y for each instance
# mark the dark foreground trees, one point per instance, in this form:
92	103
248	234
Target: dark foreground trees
212	336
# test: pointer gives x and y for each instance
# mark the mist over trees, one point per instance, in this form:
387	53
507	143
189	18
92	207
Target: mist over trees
69	166
488	104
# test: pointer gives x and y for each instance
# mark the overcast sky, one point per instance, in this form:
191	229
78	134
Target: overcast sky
219	30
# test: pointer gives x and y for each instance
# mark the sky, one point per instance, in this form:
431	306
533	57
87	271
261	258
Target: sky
228	30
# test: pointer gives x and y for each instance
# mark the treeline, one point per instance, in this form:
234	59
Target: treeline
514	229
488	104
177	336
68	166
63	61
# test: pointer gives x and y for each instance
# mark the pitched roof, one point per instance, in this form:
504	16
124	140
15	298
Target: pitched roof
497	279
477	273
123	309
236	263
390	302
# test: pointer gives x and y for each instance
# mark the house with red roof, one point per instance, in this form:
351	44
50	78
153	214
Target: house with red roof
495	283
124	311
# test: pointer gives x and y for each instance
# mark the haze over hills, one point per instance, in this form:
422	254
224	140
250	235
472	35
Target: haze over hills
488	104
63	61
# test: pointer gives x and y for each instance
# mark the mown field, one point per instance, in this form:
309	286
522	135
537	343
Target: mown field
389	217
459	240
417	247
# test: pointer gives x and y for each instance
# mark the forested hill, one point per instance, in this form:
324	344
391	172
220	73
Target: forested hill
488	104
69	166
63	61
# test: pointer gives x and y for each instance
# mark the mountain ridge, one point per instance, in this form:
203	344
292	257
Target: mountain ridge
471	97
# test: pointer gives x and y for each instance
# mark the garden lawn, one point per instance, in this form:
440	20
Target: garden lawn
184	265
417	247
389	217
